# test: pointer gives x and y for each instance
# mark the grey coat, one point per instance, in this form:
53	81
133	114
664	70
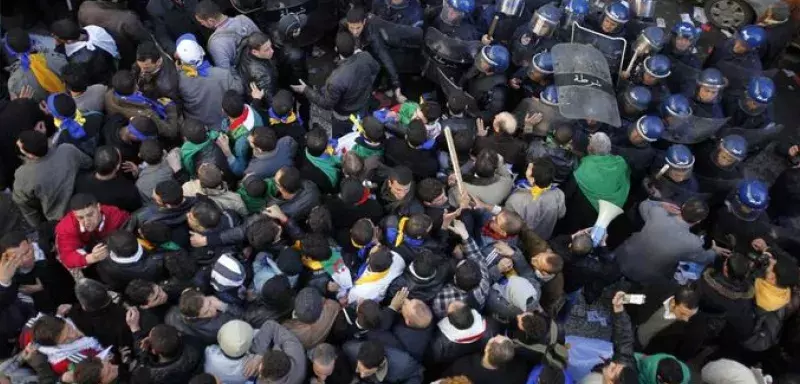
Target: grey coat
222	43
19	78
202	96
149	177
541	214
273	336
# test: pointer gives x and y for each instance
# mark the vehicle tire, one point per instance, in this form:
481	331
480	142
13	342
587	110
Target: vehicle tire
729	14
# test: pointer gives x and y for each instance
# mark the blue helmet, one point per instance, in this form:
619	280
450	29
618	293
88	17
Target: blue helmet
549	12
639	97
761	89
496	56
679	156
752	35
686	30
655	36
549	95
676	105
711	78
650	127
577	7
617	11
735	145
658	66
465	6
543	62
753	193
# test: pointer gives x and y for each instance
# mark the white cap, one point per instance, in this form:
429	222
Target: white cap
188	50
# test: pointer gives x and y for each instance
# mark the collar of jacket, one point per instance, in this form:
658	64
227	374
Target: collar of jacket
726	289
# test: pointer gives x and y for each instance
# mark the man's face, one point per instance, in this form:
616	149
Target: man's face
355	28
724	158
535	76
149	67
322	371
25	252
364	372
207	23
649	79
439	200
682	312
682	44
194	225
611	372
679	175
498	223
707	94
751	105
89	218
157	297
68	334
398	190
609	25
739	47
539	262
208	310
635	137
265	51
109	373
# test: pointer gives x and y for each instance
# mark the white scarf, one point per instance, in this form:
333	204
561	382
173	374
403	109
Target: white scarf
463	336
98	38
376	290
127	260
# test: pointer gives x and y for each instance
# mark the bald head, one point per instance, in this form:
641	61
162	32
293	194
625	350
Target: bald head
505	122
416	314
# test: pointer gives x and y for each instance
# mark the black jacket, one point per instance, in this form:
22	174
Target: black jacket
107	325
117	275
259	71
119	191
344	215
172	19
731	300
201	330
13	315
372	42
401	368
129	151
422	162
93	126
180	370
163	83
425	290
349	86
173	217
205	256
102	64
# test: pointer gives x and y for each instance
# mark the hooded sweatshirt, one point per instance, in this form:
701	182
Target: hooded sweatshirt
648	366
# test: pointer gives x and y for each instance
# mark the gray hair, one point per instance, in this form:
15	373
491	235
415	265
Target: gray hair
599	144
324	354
92	295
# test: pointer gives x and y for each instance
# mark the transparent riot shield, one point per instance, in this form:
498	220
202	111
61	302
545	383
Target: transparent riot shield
403	43
450	88
756	138
585	89
452	56
550	116
692	129
683	78
612	48
766	166
738	76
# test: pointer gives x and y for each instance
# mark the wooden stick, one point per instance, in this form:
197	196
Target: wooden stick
451	148
493	26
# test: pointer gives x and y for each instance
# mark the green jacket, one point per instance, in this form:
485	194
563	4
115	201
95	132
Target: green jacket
648	366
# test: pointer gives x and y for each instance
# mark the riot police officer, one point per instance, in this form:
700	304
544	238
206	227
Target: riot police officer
706	100
720	170
650	73
454	20
682	45
506	15
634	101
486	81
535	36
674	111
612	21
741	51
744	217
674	182
549	95
635	145
534	78
403	12
751	110
575	11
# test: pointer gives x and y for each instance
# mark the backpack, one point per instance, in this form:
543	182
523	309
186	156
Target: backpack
767	331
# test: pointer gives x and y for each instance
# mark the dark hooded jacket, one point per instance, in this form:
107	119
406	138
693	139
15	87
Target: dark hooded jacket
254	70
729	299
117	275
173	217
202	330
179	370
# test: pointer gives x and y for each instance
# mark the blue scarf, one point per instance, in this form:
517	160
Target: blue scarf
138	97
427	145
364	251
74	128
138	134
24	57
285	119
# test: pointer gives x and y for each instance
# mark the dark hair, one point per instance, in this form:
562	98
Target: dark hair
319	220
418	225
277	292
18	40
207	9
12	240
373	129
688	296
157	232
254	186
543	172
786	271
669	371
356	15
207	213
33	142
81	201
345	44
151	151
514	222
88	371
47	329
457	104
486	163
165	341
463	141
191	302
368	314
316	141
429	189
124	82
380	260
468	275
92	295
431	110
122	243
144	125
315	246
581	244
562	134
209	175
416	134
401	174
66	29
264	138
203	378
256	40
194	131
371	354
461	317
232	103
534	325
501	353
75	77
106	160
362	231
180	265
64	104
425	263
147	50
261	233
138	291
694	210
289	262
275	364
282	102
352	164
290	179
555	261
738	266
170	192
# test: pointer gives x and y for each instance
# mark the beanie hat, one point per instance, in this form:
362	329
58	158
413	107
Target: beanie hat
188	50
277	292
235	338
289	262
308	305
289	22
227	273
91	294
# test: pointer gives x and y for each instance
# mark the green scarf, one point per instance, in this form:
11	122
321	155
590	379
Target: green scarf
329	165
648	366
364	152
189	149
170	246
604	177
252	204
406	112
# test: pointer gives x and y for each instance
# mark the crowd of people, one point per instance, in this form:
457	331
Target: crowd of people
185	204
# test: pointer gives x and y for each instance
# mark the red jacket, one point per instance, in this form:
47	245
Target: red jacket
70	240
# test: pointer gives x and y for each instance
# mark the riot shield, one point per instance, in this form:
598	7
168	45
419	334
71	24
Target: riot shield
403	43
450	88
766	166
692	129
756	138
612	48
550	116
738	76
666	190
453	56
585	89
683	78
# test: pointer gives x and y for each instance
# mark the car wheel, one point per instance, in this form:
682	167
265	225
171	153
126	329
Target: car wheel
729	14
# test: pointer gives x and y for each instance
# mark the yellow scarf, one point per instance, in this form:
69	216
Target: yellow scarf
44	76
311	263
400	229
371	277
290	119
536	191
147	245
189	70
769	297
357	245
78	117
357	123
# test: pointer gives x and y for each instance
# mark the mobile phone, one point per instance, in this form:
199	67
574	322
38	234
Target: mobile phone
635	299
